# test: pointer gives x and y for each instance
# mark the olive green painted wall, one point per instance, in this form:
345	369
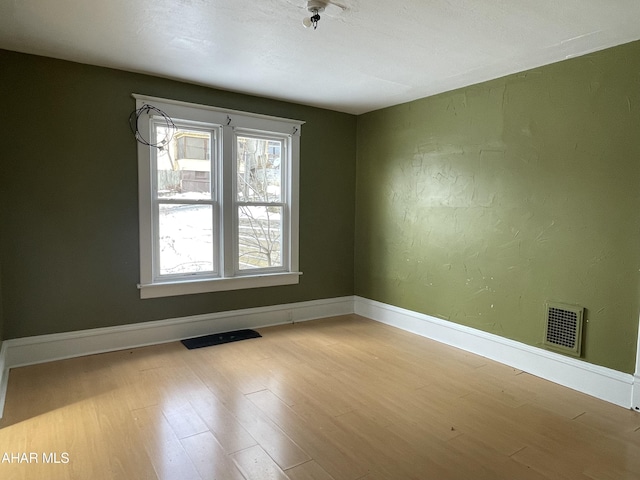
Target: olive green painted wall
481	204
1	313
2	234
68	186
476	205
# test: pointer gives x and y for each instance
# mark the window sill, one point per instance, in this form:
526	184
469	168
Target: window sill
188	287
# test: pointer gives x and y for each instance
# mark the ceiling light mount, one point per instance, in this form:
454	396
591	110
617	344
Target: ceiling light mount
315	7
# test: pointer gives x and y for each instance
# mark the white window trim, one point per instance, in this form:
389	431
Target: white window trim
228	120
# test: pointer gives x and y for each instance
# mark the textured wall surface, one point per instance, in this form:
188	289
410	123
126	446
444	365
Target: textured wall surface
479	205
1	309
69	191
476	206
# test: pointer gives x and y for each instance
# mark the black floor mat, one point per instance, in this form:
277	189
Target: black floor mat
219	338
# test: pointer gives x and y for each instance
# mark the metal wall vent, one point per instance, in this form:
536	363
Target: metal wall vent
563	328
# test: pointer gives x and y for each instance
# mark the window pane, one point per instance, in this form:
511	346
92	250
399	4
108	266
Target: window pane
184	166
258	169
186	239
259	237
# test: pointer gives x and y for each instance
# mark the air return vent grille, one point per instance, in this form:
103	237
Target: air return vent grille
563	328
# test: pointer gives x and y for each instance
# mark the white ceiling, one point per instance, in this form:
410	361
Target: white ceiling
374	54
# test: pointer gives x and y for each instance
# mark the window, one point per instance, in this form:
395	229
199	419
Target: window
218	200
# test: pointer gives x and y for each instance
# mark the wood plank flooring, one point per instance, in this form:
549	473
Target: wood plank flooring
341	398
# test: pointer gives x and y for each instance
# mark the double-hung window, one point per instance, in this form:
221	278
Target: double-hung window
218	198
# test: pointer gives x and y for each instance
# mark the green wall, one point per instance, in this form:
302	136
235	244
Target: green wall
479	205
476	206
1	314
68	186
2	234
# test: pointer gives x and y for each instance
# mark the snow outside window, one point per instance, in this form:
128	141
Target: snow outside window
218	201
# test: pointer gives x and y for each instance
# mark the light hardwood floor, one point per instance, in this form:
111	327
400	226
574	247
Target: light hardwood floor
343	398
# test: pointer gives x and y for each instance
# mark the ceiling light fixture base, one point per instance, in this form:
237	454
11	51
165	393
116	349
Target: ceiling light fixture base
314	7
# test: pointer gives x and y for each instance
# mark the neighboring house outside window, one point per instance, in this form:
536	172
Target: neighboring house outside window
218	199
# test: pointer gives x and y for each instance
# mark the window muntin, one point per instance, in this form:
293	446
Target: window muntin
218	203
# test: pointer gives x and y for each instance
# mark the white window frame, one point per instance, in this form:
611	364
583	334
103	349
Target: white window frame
228	124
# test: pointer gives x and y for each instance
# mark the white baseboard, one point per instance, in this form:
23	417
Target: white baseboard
600	382
58	346
4	375
604	383
635	394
